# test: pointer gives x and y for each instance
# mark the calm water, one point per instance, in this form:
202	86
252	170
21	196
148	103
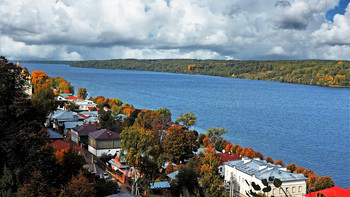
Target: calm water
307	125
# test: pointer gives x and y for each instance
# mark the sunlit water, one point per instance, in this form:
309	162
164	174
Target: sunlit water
307	125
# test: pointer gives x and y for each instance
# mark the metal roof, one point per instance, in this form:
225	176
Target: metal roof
263	170
160	185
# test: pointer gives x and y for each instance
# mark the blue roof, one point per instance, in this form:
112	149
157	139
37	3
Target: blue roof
173	175
160	185
263	170
54	135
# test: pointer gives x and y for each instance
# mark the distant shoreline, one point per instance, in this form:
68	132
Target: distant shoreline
324	73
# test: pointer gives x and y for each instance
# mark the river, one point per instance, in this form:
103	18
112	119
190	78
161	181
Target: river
307	125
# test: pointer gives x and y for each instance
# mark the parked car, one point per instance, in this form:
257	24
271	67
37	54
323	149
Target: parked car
106	175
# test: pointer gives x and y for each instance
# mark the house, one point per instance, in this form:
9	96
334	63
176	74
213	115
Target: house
161	188
104	141
61	102
121	170
80	134
173	175
225	157
240	174
59	117
85	105
60	144
330	192
68	126
73	98
54	135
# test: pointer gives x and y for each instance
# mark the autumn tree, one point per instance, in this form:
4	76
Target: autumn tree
82	93
200	138
215	134
269	160
78	186
187	119
291	167
323	183
220	144
179	144
143	150
71	163
279	162
312	180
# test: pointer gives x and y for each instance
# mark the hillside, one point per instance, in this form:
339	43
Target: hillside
312	72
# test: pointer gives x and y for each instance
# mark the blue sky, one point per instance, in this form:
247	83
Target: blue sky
339	9
158	29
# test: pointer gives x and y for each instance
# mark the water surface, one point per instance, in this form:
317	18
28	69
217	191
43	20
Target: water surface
307	125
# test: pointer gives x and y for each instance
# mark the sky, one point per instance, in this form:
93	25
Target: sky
170	29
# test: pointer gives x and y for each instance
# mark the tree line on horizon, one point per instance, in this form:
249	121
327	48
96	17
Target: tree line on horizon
330	73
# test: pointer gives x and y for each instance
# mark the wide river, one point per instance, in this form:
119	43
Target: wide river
307	125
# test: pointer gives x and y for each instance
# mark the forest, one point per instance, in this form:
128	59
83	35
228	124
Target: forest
330	73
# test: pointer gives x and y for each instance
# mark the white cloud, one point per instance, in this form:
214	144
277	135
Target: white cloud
88	29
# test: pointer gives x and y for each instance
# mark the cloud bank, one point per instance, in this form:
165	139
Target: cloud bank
206	29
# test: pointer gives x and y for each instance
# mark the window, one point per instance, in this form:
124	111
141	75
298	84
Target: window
293	189
280	191
299	188
274	191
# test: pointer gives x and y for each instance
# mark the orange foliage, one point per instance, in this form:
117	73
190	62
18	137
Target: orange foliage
228	147
169	169
299	170
308	173
269	159
206	141
312	180
279	162
127	110
340	62
239	150
59	154
66	91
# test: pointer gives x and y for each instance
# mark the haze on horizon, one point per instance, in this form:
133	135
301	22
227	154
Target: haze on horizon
160	29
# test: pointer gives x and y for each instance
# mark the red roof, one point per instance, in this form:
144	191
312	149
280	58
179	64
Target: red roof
73	98
331	192
225	157
60	144
82	115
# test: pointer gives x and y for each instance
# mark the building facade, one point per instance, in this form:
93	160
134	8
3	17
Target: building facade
240	174
104	141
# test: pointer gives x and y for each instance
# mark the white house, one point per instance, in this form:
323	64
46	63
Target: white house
240	174
104	141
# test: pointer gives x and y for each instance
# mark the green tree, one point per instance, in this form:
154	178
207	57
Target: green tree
179	144
24	139
36	186
82	93
323	183
44	99
215	134
166	113
187	180
106	120
105	188
187	119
